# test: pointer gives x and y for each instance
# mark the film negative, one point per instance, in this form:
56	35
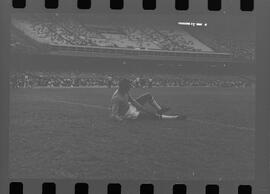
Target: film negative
147	96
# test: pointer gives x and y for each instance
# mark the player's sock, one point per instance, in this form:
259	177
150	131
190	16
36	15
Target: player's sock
182	117
156	105
163	110
167	117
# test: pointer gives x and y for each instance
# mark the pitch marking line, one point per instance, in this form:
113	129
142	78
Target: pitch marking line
81	104
189	119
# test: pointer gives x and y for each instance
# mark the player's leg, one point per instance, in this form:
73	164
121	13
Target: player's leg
147	98
148	116
170	117
153	116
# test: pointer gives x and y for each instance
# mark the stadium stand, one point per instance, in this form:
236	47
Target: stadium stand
56	30
227	42
68	32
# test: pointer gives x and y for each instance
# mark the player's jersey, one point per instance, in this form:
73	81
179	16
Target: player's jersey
122	107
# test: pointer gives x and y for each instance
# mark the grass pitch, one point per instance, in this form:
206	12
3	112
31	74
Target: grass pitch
67	133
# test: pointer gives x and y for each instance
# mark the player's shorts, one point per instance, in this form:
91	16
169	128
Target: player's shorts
148	116
132	112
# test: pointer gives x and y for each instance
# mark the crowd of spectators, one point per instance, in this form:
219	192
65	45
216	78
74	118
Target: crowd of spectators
56	30
59	30
74	80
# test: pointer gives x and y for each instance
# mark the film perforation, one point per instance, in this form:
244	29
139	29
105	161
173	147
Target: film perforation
84	4
19	4
212	189
244	189
179	189
181	5
51	4
247	5
114	188
147	189
214	5
16	188
81	188
48	188
149	4
117	4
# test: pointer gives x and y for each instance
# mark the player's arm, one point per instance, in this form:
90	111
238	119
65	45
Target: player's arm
115	111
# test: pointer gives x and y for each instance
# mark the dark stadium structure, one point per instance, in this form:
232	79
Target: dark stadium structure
127	38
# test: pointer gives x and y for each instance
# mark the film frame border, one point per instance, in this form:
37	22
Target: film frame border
261	182
212	5
135	187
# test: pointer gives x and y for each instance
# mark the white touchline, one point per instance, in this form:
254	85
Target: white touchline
189	119
81	104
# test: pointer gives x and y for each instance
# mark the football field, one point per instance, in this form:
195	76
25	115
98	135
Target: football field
67	133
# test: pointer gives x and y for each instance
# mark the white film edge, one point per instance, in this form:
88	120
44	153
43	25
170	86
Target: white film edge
149	97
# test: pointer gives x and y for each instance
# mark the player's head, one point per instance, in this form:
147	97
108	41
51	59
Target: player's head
124	85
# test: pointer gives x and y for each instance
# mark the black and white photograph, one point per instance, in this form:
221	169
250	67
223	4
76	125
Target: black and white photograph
133	96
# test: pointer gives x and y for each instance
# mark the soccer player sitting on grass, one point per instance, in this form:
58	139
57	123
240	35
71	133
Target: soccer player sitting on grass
125	107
